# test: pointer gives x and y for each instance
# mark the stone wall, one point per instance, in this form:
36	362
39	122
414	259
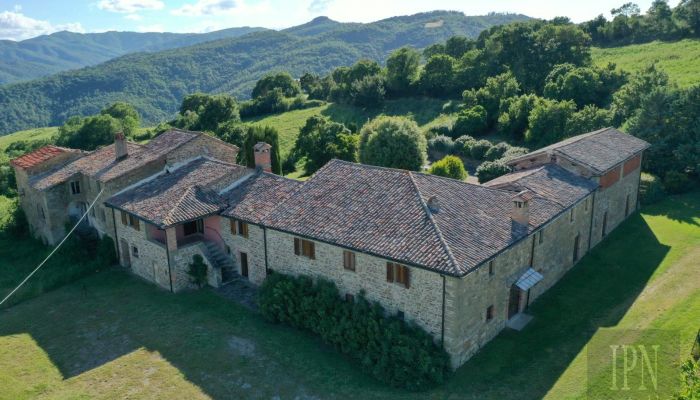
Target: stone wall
253	246
614	200
421	302
180	261
467	299
152	261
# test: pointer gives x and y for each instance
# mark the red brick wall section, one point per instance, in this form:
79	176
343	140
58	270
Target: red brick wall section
632	164
610	178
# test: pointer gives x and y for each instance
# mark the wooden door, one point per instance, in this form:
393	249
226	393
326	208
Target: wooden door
514	301
244	264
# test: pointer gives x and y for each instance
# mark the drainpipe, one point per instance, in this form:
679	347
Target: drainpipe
170	272
590	227
442	334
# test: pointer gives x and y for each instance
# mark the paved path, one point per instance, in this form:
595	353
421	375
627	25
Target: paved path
240	291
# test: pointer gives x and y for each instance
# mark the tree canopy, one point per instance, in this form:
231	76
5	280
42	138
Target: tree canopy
394	142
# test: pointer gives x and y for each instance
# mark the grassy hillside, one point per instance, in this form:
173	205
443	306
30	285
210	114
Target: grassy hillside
28	135
48	54
681	60
155	83
114	336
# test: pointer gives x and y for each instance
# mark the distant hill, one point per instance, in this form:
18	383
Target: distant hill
156	82
48	54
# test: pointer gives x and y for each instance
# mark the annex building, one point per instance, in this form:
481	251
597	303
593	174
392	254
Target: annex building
461	260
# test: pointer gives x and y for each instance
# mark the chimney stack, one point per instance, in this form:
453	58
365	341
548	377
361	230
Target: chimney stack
263	158
120	150
433	204
520	212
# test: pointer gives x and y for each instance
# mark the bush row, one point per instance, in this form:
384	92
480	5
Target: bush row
393	351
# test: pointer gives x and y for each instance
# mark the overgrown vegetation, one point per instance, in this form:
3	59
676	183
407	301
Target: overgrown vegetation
391	350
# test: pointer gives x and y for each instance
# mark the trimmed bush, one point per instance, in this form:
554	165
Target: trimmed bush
394	142
449	167
650	189
479	149
391	350
441	144
491	170
197	271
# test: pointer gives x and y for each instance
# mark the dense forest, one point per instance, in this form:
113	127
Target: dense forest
48	54
156	83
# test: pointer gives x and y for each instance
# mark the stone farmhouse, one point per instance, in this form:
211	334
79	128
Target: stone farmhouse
461	260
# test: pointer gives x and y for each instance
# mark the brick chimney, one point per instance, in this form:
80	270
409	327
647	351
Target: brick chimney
120	150
520	211
263	159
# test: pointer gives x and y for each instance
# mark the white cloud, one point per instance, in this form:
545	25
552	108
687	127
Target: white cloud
130	6
319	6
17	26
222	7
133	17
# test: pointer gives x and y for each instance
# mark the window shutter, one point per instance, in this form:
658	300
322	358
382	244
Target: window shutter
389	272
233	226
297	246
124	218
406	277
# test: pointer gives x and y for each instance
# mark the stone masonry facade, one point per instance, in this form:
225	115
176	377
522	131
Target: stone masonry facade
465	249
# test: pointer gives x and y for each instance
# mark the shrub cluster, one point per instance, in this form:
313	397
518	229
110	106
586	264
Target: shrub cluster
393	351
650	189
449	167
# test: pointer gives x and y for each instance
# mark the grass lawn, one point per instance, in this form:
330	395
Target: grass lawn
680	60
28	135
113	336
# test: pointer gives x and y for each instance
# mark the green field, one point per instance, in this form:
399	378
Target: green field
681	60
28	135
113	336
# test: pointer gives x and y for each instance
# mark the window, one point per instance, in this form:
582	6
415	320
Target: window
489	313
244	264
124	221
540	238
577	239
228	249
399	274
585	205
492	268
304	248
400	315
193	227
239	228
627	205
75	187
135	251
134	222
349	260
571	215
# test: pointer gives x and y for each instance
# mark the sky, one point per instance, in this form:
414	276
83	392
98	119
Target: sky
20	20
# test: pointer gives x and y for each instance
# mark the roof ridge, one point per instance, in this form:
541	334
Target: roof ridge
437	230
168	217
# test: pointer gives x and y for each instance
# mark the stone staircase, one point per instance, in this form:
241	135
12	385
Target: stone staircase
222	261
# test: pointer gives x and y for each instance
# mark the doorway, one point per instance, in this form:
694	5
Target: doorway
244	264
126	257
514	301
576	246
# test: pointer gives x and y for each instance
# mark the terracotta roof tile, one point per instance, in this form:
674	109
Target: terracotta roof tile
258	195
40	155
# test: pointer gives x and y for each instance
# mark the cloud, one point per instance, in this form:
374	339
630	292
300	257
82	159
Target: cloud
217	8
318	6
17	26
133	17
130	6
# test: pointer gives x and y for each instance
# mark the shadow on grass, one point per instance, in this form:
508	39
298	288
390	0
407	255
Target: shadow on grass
421	109
684	208
97	320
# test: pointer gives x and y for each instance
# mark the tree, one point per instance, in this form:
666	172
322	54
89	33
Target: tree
660	19
632	94
88	133
265	134
437	78
589	119
200	111
449	167
402	70
233	132
548	121
394	142
489	170
280	80
126	114
470	122
368	91
583	85
456	46
197	270
514	119
627	9
688	13
321	140
496	89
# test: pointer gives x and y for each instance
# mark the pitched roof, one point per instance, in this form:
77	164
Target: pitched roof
598	150
257	196
183	194
549	181
102	165
40	155
383	211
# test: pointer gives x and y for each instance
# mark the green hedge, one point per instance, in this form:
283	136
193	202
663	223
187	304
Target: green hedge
393	351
